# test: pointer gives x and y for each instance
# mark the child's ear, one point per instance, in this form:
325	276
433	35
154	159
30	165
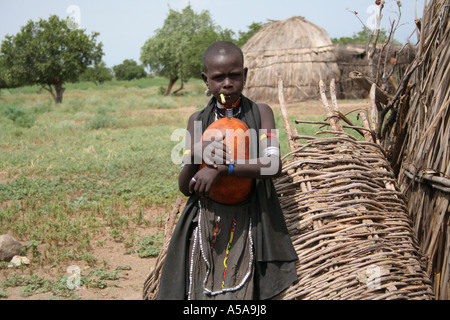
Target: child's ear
245	74
205	78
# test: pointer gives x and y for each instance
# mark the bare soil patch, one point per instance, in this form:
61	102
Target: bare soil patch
111	256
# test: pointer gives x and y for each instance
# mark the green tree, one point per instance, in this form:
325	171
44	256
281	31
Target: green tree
129	70
49	53
176	49
244	36
6	81
97	74
362	37
3	83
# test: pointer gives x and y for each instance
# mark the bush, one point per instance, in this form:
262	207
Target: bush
150	246
18	115
129	70
101	120
97	74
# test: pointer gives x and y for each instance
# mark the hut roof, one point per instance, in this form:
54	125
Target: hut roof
297	50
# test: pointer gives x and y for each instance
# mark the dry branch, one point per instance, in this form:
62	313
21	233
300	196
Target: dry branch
366	83
289	131
331	114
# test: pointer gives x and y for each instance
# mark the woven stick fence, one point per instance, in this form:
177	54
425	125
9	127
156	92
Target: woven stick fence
347	220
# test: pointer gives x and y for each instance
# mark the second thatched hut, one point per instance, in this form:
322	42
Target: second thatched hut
296	49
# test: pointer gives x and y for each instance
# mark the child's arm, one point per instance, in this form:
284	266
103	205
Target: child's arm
210	152
268	163
189	168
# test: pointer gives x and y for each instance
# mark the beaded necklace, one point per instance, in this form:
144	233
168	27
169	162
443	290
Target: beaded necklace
227	252
233	229
198	241
215	233
228	111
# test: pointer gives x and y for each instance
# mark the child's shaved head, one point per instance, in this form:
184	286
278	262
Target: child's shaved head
221	48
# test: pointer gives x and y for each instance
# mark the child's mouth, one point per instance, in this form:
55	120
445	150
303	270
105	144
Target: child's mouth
226	98
223	98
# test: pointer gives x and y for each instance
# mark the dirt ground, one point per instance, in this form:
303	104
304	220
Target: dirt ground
111	254
128	287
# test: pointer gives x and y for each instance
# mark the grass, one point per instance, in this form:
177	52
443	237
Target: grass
75	174
62	286
91	167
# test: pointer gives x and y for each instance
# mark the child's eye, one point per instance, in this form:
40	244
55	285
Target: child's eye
218	78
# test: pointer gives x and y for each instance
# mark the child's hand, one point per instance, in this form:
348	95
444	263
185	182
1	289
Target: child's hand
212	152
203	180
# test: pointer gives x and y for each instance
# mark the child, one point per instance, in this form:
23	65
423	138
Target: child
222	251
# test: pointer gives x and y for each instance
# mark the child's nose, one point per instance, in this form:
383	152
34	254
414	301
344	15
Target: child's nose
227	83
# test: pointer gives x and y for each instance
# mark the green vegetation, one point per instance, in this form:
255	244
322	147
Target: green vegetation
362	37
129	70
150	246
97	160
58	288
48	53
51	53
97	74
244	36
91	169
176	49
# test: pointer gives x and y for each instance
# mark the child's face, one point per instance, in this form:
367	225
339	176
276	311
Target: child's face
225	74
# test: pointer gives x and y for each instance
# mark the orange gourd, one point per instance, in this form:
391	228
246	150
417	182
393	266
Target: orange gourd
230	189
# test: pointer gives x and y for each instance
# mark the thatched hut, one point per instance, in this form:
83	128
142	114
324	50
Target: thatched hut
298	50
353	57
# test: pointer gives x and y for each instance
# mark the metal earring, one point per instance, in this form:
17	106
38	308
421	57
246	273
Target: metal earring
208	92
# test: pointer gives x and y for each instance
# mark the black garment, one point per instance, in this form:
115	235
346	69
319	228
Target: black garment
222	263
274	253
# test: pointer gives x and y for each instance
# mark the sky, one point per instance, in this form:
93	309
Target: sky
125	25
